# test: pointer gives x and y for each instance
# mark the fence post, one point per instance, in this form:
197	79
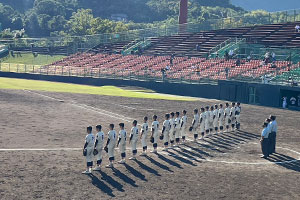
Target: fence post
33	69
9	67
62	70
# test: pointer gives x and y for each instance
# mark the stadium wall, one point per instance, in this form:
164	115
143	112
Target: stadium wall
266	95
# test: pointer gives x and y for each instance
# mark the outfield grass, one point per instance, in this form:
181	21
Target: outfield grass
22	84
29	59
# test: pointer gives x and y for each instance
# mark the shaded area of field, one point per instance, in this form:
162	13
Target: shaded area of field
207	169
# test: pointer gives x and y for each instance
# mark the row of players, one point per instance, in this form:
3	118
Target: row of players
174	129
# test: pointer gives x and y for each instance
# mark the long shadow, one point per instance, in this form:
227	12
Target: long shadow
191	153
123	177
158	164
234	138
101	185
167	160
181	159
245	133
111	181
147	168
231	139
186	155
285	161
214	143
223	142
206	146
135	172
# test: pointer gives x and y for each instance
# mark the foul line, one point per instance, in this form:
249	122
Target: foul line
117	116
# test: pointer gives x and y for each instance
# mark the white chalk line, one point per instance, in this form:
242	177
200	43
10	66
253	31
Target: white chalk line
117	116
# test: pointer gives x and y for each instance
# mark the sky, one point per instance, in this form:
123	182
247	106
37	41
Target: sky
269	5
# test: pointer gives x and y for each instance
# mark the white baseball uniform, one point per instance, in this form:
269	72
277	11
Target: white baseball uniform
237	116
221	117
112	143
134	139
183	125
211	119
122	144
227	115
216	118
155	125
177	127
167	127
171	132
99	147
202	122
207	118
196	123
90	140
232	114
144	130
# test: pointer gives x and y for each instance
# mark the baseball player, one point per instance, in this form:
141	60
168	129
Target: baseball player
133	139
166	131
183	126
143	137
207	120
99	146
172	130
227	117
88	148
216	118
238	110
211	120
202	123
195	124
110	145
154	135
221	118
232	116
177	128
122	143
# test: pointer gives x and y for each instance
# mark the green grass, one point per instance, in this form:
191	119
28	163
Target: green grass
29	59
22	84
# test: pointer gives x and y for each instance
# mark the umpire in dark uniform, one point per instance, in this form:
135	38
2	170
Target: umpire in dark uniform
264	141
272	136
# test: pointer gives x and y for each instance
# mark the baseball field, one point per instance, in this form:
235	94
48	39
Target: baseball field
42	131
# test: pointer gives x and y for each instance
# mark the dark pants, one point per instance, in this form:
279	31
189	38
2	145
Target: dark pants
272	139
265	147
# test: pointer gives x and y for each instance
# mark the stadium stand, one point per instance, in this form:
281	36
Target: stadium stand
188	63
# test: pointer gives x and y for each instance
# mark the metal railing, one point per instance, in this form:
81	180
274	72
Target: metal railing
88	41
286	78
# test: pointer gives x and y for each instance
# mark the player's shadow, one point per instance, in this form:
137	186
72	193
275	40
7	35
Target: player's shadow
186	154
123	177
216	143
101	185
223	142
197	155
181	159
246	134
162	166
135	172
229	139
170	162
112	181
285	161
147	168
199	151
